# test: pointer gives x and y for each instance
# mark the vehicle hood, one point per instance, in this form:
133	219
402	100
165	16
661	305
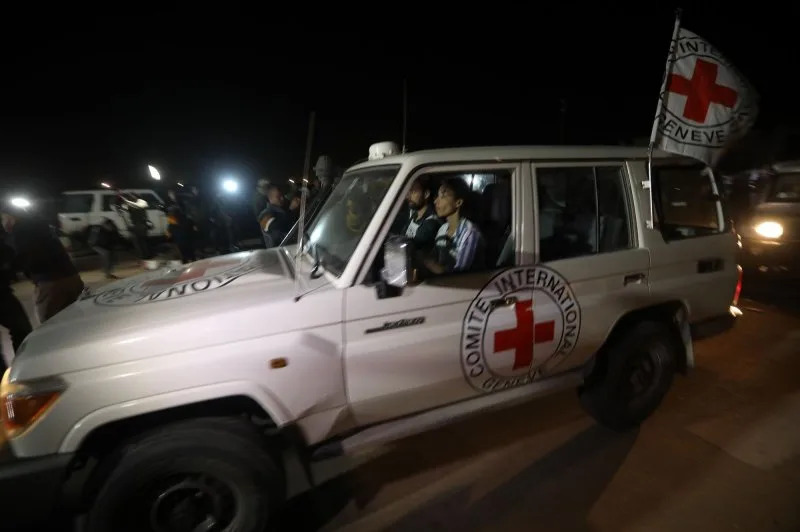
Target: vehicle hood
212	301
777	209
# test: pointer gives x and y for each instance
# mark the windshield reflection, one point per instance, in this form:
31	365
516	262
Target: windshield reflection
336	231
785	188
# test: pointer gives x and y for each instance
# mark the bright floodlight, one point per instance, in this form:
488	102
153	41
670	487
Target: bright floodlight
154	173
22	203
105	185
230	185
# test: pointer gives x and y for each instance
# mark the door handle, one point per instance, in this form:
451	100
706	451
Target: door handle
709	265
75	219
503	302
635	278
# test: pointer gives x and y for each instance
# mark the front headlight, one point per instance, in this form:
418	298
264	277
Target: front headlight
769	229
21	404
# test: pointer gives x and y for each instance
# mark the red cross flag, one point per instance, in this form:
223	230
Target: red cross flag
704	101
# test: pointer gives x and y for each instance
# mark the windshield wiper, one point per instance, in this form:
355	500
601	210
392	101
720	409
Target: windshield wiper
319	264
314	251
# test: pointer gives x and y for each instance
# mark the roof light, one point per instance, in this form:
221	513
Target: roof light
380	150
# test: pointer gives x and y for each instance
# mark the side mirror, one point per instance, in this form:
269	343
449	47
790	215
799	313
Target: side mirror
396	261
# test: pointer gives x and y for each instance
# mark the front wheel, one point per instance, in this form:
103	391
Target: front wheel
633	377
204	474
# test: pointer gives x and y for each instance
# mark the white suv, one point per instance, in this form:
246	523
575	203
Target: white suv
170	395
79	210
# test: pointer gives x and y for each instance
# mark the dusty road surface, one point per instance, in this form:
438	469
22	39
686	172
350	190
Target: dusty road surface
722	453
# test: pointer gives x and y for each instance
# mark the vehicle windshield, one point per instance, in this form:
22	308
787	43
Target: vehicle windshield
785	188
336	231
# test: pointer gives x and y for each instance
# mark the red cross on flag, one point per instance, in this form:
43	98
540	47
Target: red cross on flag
704	101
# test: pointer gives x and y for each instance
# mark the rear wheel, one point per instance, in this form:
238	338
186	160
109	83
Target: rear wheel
205	474
633	376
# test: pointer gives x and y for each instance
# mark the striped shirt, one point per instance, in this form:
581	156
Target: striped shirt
462	247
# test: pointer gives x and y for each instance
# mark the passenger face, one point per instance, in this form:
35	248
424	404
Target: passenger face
417	197
446	203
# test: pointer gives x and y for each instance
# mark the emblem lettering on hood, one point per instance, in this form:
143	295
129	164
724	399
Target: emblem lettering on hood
191	279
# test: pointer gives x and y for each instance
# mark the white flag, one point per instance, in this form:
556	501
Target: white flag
704	102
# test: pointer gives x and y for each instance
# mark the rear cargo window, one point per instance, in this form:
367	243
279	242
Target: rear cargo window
76	202
687	202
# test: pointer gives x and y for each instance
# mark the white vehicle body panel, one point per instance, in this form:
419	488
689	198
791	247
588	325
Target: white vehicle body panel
76	222
213	329
137	354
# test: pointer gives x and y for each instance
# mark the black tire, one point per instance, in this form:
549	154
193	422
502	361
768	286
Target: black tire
632	377
172	477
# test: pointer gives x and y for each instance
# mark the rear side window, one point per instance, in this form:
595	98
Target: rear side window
688	202
108	201
583	210
76	202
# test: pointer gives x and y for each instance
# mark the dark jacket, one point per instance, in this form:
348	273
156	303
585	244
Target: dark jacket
196	209
179	227
8	273
38	252
423	232
279	226
260	203
104	236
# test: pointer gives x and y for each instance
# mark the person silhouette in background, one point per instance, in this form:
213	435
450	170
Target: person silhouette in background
12	314
40	255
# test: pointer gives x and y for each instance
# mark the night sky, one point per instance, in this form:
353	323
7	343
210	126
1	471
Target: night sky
87	98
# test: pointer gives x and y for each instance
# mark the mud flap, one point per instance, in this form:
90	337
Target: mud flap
682	323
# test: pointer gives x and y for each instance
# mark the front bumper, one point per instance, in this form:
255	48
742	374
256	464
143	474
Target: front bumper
713	326
31	488
769	256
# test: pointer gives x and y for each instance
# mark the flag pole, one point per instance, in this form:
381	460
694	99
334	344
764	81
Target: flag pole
659	112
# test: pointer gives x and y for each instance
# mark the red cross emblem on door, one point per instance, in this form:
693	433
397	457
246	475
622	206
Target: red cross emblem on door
701	90
525	335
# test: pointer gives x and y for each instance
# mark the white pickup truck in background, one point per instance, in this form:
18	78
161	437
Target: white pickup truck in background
78	210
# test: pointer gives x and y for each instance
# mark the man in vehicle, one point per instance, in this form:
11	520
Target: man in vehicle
423	223
459	243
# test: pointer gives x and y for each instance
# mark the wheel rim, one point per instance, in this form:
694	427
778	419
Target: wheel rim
642	375
185	503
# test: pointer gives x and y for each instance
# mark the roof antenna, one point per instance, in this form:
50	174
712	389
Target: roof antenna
301	231
405	112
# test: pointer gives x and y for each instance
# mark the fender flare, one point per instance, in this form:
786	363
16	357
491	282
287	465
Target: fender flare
678	314
145	405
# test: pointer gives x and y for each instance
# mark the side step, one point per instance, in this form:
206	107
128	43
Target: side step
431	419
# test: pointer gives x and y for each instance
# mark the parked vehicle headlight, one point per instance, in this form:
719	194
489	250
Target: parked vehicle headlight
769	229
22	404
